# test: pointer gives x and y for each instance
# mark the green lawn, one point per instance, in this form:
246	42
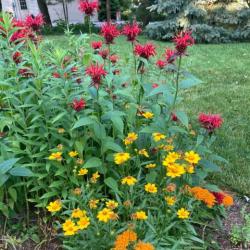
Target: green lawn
225	72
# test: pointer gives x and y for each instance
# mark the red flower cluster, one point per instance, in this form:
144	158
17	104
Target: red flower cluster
210	121
145	51
155	85
96	45
113	58
34	22
131	31
104	53
26	72
56	75
223	199
89	7
170	56
17	57
109	31
96	72
78	105
182	41
161	64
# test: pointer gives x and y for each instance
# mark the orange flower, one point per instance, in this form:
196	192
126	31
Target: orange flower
144	246
204	195
124	239
227	200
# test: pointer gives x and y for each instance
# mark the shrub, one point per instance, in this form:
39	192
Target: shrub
115	162
211	22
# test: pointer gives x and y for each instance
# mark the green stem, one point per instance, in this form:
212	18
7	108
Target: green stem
177	82
135	66
89	24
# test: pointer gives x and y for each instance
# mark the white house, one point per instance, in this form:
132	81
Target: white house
22	8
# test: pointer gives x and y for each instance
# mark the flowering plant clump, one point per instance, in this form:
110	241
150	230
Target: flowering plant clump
116	164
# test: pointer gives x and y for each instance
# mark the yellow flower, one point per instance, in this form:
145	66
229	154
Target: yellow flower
73	154
120	158
172	157
170	200
83	171
93	203
148	115
150	188
54	206
83	223
189	169
144	246
78	213
111	204
95	177
129	180
56	156
183	213
151	165
158	136
143	152
60	130
168	148
105	215
192	157
69	228
175	170
139	215
130	138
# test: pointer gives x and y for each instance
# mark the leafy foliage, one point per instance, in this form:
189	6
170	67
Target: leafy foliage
210	21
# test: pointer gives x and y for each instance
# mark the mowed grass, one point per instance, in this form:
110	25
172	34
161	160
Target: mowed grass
225	72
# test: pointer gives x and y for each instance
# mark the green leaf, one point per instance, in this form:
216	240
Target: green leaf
21	171
7	165
13	193
49	195
210	166
182	116
3	179
112	146
58	117
118	123
212	188
151	177
83	122
189	82
93	162
112	183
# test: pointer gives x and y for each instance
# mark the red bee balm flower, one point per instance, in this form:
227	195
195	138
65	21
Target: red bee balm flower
17	57
113	58
89	7
210	121
109	31
131	31
56	75
96	72
34	22
104	53
170	55
96	45
161	64
182	41
78	105
145	51
155	85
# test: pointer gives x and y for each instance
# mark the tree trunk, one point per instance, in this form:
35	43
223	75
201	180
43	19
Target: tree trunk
44	10
108	10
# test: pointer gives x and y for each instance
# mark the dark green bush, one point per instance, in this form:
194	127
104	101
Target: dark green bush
210	21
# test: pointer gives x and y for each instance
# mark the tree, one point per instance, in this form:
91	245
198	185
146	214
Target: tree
44	10
210	20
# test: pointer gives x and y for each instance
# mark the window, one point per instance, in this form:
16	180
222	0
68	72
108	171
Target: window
23	4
